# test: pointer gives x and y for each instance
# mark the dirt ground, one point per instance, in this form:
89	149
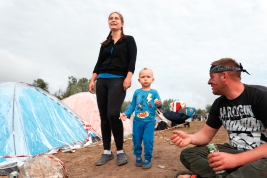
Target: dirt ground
165	161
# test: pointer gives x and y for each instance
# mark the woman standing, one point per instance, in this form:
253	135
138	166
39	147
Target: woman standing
113	72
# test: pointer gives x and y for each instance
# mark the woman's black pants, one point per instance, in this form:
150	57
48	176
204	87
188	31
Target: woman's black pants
110	96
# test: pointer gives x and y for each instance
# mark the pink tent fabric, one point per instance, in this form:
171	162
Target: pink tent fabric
85	105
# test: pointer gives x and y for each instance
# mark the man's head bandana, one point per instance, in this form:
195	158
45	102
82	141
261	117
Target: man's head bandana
217	69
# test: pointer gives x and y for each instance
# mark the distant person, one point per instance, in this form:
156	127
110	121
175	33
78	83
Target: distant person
113	72
144	103
206	116
242	110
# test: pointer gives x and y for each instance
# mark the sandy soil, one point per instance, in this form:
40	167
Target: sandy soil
165	161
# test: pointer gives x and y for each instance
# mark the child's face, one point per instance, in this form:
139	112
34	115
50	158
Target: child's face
146	78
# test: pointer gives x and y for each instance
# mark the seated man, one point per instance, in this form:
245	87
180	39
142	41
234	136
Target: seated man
242	110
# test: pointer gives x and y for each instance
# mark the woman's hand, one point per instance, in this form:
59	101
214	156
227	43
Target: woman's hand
127	81
91	86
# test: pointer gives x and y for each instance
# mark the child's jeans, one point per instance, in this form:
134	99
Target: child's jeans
143	131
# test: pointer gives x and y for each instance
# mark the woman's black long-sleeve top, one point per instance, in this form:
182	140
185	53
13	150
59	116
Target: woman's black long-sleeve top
119	60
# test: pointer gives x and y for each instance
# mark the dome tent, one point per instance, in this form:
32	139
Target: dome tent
85	105
33	122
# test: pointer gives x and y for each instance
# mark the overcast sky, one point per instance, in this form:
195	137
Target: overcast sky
177	39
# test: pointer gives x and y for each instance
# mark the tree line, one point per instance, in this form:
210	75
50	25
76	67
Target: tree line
81	85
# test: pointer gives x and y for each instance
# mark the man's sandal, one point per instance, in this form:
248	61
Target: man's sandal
192	175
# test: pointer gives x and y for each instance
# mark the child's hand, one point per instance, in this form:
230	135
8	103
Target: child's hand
123	117
157	102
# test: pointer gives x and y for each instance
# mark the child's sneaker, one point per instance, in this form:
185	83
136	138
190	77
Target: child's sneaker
147	164
138	162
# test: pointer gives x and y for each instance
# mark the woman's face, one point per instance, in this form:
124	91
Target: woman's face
115	22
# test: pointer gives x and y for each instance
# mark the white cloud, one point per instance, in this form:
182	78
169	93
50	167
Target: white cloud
177	39
16	69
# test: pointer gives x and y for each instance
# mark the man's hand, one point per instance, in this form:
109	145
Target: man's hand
180	138
221	160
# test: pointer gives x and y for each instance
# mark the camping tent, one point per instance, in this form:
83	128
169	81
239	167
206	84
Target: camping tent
176	106
33	122
85	105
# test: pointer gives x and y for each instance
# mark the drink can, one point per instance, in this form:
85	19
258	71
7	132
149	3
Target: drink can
211	148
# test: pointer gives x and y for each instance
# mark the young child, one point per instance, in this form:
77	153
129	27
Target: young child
144	103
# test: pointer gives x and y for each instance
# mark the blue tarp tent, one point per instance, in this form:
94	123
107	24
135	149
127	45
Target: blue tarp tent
33	122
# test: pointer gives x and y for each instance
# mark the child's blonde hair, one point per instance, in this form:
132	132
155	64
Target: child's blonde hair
145	68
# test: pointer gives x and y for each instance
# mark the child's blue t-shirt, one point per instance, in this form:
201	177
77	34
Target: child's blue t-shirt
143	105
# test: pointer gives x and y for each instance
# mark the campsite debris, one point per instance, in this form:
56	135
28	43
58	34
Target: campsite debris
69	150
43	166
162	167
13	174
